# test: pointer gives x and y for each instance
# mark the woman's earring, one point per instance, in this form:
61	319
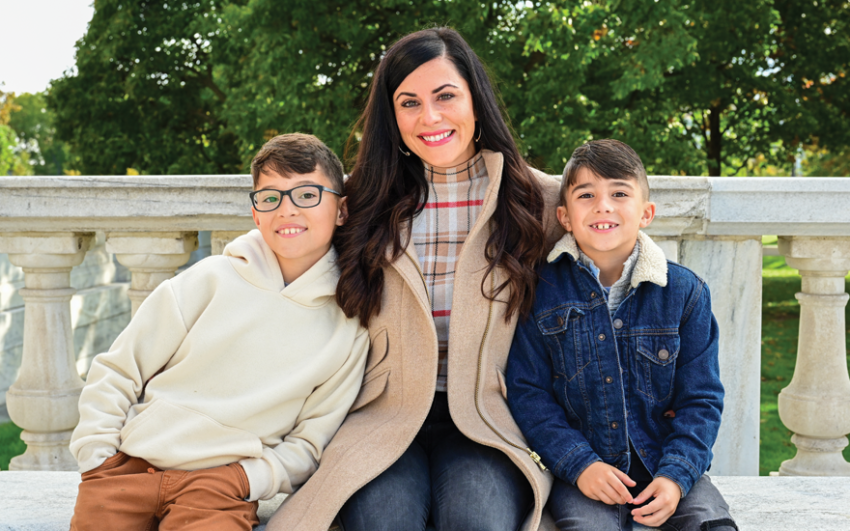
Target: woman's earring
480	130
403	152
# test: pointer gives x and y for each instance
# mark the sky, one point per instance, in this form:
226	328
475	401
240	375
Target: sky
37	40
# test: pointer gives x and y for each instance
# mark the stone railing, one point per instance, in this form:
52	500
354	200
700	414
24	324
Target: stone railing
712	225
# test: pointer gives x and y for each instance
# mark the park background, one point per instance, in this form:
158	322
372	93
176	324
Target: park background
719	88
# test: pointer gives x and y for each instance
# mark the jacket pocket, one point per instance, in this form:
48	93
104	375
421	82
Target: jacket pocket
372	388
566	340
657	364
558	320
172	436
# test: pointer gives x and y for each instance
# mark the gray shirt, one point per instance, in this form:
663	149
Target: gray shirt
616	293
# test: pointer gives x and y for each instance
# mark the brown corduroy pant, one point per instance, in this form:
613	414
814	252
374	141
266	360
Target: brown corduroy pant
128	493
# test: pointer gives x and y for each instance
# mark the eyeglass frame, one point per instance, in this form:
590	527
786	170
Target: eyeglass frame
284	193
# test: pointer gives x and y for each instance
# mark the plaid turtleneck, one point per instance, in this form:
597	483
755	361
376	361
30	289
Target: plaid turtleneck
455	198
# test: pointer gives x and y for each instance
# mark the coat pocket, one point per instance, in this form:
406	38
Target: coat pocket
657	364
378	348
372	388
172	436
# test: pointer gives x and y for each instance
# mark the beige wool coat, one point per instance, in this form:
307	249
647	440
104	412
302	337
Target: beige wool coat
401	376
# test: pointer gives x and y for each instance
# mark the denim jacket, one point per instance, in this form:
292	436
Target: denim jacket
581	383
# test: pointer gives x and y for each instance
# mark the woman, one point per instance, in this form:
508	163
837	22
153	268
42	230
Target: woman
445	227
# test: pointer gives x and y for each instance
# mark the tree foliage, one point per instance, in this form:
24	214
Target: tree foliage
12	160
34	125
144	94
695	86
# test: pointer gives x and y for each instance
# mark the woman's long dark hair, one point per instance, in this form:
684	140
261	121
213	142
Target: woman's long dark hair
386	189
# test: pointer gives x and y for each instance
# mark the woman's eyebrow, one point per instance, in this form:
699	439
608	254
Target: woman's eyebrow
400	94
438	89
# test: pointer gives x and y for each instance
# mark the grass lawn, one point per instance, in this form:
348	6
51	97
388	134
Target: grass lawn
780	323
10	444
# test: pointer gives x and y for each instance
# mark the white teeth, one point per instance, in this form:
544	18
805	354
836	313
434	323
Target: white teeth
291	231
437	138
604	226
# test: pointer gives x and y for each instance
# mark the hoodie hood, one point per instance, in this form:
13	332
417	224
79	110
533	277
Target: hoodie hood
254	261
651	263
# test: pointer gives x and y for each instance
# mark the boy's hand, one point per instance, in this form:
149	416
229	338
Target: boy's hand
602	482
667	495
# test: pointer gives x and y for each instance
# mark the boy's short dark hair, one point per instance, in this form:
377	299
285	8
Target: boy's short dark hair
608	159
297	153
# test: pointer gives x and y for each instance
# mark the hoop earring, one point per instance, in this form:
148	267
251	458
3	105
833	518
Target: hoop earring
403	152
480	130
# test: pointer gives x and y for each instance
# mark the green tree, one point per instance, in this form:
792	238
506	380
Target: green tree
819	162
13	161
144	94
34	125
696	86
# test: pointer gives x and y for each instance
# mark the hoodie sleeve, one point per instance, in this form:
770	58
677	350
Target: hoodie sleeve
117	377
283	468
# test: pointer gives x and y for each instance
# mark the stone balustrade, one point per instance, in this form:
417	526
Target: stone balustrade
712	225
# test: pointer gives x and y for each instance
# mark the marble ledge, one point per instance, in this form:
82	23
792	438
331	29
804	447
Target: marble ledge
44	501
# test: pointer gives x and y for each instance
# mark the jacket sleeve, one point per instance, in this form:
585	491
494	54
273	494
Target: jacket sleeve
117	377
531	398
286	466
698	395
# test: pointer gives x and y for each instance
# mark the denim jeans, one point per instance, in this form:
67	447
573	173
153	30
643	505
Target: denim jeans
703	509
443	479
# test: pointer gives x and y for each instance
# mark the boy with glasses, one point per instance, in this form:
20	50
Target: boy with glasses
233	376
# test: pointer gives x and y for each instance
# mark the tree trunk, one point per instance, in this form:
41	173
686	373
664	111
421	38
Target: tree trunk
714	138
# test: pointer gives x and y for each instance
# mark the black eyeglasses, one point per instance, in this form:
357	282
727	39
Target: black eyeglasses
306	196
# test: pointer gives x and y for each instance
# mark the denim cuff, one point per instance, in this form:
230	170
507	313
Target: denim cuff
680	471
570	467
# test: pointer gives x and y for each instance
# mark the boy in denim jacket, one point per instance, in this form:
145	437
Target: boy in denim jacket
614	378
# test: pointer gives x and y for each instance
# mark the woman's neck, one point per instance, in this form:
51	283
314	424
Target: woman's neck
468	163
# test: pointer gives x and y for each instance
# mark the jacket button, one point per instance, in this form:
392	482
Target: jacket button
560	321
642	452
614	425
592	294
601	337
608	379
618	323
663	354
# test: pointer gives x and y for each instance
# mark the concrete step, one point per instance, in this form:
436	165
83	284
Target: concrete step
44	501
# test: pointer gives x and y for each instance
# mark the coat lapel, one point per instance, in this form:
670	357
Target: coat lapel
407	266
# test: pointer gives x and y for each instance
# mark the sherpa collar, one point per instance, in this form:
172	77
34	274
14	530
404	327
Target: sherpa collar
651	264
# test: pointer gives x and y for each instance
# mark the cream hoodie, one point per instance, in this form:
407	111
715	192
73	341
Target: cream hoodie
255	372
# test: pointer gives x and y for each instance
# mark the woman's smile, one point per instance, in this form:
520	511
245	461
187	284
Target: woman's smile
437	139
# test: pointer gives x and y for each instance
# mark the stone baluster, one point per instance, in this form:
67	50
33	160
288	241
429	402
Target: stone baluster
151	257
43	399
816	404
